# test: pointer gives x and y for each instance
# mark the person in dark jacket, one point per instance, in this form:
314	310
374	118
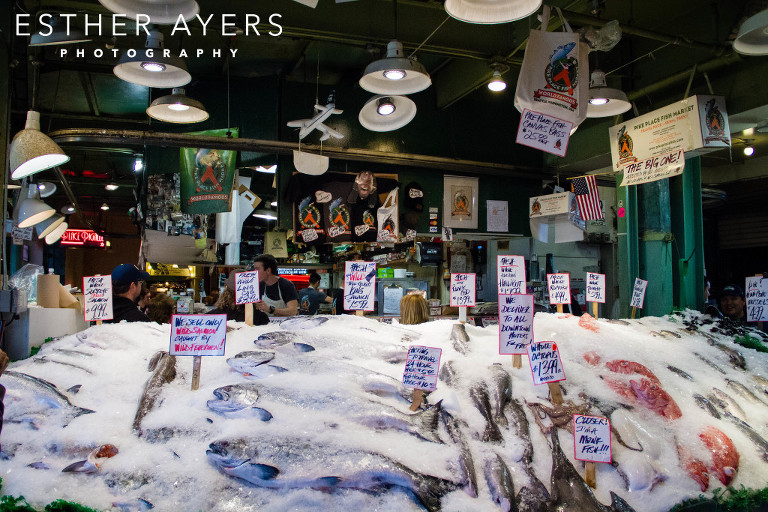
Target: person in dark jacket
310	297
126	289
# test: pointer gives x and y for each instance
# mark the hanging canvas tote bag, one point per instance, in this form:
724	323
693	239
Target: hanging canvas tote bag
387	219
554	78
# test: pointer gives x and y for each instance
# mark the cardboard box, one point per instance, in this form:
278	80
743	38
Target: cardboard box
436	311
449	310
433	303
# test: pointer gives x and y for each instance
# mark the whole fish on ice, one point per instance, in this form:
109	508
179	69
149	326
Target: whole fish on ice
48	402
238	400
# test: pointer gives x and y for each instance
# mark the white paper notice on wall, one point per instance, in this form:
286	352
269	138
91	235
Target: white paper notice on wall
595	287
97	295
638	293
463	290
757	299
543	132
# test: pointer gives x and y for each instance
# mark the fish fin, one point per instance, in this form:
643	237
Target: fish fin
326	482
74	389
427	421
155	360
264	415
266	472
619	505
81	466
82	410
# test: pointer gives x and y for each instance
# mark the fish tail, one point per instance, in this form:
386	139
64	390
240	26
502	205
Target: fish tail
492	433
429	491
501	419
427	421
263	414
82	410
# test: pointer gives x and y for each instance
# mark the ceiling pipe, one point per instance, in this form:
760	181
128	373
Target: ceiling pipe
141	138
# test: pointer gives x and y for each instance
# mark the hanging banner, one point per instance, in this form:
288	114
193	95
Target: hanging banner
207	176
654	168
757	299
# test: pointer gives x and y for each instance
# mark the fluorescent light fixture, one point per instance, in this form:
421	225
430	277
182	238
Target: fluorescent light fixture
32	211
272	169
752	38
57	233
45	227
57	33
605	101
177	108
385	106
111	187
748	131
404	110
264	214
46	188
491	11
105	206
497	84
395	74
67	209
33	151
273	204
160	13
749	151
138	165
150	67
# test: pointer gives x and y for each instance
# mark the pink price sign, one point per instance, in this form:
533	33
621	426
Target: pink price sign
592	439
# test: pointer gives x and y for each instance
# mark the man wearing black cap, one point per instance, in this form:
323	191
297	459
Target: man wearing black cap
732	303
126	288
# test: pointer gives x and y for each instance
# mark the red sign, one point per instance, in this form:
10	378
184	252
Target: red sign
82	237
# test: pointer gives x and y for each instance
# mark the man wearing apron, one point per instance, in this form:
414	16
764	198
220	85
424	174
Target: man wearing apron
278	295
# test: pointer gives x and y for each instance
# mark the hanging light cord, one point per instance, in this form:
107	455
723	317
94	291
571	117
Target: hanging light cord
650	53
430	35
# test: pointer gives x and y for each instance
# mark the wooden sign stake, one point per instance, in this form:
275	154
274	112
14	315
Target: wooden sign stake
249	314
98	322
590	477
462	314
417	396
197	361
517	361
556	391
360	312
559	308
594	309
634	312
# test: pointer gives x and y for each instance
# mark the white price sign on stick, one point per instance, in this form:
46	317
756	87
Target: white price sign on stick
198	335
511	274
591	438
559	286
97	295
359	285
595	287
515	324
757	299
463	290
638	293
421	367
546	365
247	287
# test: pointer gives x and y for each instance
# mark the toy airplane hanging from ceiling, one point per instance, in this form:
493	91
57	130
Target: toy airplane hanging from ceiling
316	123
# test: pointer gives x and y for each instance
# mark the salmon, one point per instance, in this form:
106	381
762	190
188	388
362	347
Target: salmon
629	367
651	395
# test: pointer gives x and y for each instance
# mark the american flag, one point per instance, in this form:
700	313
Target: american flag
588	197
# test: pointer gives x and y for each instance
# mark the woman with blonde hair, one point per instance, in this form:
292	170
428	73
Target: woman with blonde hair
413	309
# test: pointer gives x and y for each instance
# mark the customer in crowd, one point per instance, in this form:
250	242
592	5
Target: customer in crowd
144	298
310	297
278	295
226	305
413	309
126	288
161	308
732	303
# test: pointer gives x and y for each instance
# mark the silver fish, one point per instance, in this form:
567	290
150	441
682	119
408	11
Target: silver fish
44	393
680	372
753	436
762	383
246	362
422	424
448	373
137	505
237	400
520	427
735	357
275	339
466	462
706	405
45	359
500	483
302	322
460	338
72	352
163	366
479	395
742	391
265	370
710	363
501	392
671	333
727	404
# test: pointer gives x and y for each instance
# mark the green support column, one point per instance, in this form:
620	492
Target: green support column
688	230
628	242
655	225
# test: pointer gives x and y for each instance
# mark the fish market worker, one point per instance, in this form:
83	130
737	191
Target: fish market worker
278	295
126	289
732	303
311	297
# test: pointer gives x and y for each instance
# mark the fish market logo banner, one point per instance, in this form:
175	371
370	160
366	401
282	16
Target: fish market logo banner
546	365
247	287
757	299
207	176
654	168
625	146
591	438
97	295
338	219
552	204
515	324
421	367
198	335
716	123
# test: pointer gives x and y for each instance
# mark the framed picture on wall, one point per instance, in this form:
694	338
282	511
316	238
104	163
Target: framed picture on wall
460	202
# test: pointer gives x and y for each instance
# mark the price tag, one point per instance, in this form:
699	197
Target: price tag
309	235
546	365
559	288
591	438
361	229
97	295
198	335
247	287
595	287
543	132
757	299
515	324
23	233
421	367
359	285
463	290
511	274
638	293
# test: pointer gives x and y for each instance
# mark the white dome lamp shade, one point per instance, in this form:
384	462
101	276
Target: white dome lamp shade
752	38
395	74
47	226
488	12
150	68
374	116
177	108
57	233
33	151
32	211
57	32
605	101
160	13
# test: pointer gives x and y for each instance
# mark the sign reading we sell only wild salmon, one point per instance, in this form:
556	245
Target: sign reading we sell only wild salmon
515	324
97	295
511	274
463	290
592	438
421	367
359	285
198	335
247	287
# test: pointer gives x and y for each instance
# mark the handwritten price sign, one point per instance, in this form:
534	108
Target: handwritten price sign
638	293
421	367
97	292
595	287
198	335
515	324
359	285
559	286
591	438
547	133
546	365
757	299
463	290
511	274
247	287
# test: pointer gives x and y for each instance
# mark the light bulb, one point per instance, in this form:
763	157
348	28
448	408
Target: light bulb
154	67
394	74
105	207
497	83
178	107
749	150
138	165
598	101
111	187
385	107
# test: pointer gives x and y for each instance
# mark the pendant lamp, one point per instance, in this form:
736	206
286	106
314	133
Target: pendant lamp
33	151
33	211
395	74
48	225
58	33
373	116
57	233
161	13
605	101
150	68
491	11
177	108
752	38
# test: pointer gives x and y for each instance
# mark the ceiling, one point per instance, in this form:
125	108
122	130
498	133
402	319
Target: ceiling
668	50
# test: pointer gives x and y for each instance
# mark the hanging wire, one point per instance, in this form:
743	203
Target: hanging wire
639	58
430	35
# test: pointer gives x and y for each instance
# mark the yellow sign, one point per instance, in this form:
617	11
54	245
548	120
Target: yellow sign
162	269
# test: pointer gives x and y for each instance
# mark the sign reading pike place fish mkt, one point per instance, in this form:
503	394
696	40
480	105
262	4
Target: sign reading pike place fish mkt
546	365
757	299
463	290
559	286
638	293
515	324
421	367
511	272
592	438
359	285
97	294
198	335
247	287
